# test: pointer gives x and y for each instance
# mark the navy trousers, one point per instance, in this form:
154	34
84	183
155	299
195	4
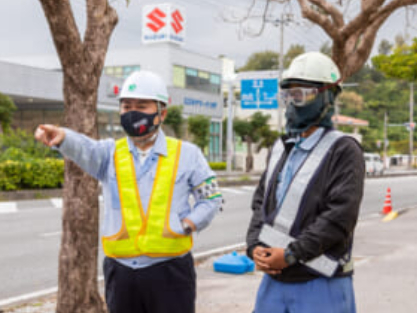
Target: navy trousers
166	287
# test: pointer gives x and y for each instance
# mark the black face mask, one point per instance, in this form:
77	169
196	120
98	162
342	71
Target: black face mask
316	112
138	124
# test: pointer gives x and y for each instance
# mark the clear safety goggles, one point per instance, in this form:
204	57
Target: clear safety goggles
298	96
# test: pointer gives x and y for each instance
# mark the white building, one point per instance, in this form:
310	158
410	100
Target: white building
193	80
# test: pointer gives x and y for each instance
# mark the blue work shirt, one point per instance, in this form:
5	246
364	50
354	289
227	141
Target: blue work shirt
298	155
96	157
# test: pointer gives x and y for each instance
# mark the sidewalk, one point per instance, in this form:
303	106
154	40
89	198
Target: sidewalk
385	278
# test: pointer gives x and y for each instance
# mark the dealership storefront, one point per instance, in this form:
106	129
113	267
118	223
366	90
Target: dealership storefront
193	80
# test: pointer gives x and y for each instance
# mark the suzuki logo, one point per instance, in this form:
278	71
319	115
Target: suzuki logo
156	17
176	24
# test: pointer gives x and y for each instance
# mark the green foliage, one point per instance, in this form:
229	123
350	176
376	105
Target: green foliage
199	127
326	48
175	120
266	60
26	142
27	164
385	47
268	138
7	107
293	51
401	64
217	166
251	129
41	173
14	154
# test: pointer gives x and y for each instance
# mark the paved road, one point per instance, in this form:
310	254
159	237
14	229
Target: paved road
30	231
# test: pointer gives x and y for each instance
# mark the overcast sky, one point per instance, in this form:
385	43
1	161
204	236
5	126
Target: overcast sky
24	31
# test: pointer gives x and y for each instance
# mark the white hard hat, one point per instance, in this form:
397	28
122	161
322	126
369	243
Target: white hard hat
312	67
144	85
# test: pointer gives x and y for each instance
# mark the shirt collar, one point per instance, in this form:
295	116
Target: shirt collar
308	143
159	147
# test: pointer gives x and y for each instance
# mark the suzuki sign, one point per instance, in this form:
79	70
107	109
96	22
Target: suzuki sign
163	23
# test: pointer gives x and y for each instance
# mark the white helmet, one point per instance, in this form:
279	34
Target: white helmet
144	85
312	67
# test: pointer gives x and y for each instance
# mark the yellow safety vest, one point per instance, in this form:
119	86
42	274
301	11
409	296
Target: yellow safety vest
148	234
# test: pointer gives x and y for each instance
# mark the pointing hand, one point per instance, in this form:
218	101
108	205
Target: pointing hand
49	135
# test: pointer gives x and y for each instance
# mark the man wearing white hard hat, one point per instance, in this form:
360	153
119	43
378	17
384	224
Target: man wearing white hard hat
306	205
147	179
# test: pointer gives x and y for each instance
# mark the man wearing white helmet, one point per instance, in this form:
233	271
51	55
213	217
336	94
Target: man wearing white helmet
306	205
148	222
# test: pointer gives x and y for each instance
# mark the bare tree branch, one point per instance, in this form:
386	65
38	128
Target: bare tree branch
100	15
265	12
67	37
318	18
360	21
332	10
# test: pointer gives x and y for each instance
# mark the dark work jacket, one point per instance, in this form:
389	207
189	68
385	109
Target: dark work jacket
329	209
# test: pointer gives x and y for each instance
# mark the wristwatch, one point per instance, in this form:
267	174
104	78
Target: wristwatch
187	228
289	257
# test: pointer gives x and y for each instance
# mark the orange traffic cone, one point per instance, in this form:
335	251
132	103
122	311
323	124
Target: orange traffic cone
387	204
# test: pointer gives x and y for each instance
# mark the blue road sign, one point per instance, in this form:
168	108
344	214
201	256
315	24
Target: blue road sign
259	93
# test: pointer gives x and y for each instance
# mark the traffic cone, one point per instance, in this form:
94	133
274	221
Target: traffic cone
387	204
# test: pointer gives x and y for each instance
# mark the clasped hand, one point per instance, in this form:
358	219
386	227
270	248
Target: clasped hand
269	260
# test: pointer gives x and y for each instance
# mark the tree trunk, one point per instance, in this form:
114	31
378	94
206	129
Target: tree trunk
78	291
249	157
82	63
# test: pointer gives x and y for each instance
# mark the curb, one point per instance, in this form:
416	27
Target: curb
43	294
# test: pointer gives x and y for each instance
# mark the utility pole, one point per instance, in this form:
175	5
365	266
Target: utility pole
229	127
281	70
385	139
281	22
411	128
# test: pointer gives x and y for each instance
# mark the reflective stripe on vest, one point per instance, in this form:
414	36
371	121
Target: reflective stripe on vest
276	155
278	235
148	234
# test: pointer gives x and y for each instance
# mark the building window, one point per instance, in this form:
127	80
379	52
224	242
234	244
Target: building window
185	77
214	145
121	71
178	75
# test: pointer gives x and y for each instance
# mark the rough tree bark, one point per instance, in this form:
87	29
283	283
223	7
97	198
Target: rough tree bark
353	40
82	63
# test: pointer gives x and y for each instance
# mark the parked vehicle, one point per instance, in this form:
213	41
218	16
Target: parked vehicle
373	163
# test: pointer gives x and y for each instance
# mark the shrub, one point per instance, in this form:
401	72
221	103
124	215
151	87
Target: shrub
31	174
26	142
217	165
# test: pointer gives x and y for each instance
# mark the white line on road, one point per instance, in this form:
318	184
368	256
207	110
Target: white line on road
249	188
45	292
8	207
230	190
57	202
57	233
28	296
220	250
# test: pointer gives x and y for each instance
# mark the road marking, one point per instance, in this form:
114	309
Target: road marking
57	202
46	292
57	233
220	250
249	188
28	296
8	207
230	190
